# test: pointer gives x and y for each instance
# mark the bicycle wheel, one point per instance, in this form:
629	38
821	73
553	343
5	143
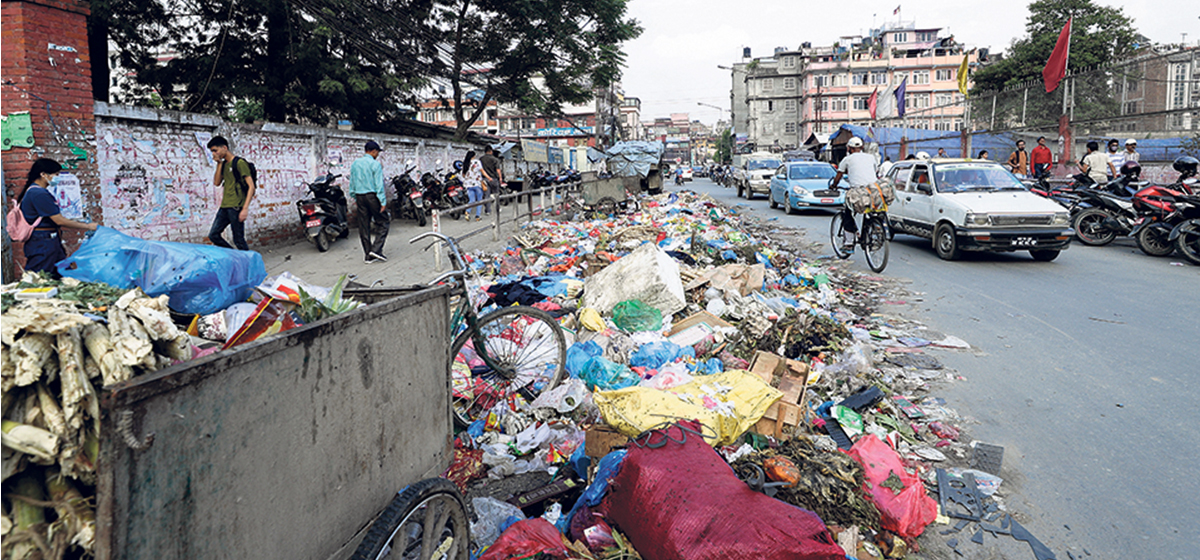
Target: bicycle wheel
875	243
427	521
837	234
529	353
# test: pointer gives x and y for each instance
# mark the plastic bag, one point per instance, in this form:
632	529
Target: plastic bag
675	498
606	470
526	538
633	315
579	354
492	514
655	354
603	375
199	279
875	196
673	375
727	404
905	513
564	398
591	319
270	317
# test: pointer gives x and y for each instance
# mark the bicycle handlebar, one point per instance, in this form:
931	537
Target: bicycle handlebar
456	258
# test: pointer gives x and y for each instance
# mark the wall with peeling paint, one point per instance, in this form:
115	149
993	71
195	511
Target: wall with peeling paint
156	175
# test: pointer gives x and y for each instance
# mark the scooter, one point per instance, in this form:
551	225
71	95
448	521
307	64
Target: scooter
409	201
324	215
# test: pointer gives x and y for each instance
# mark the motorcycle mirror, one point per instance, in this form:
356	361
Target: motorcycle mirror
409	162
299	183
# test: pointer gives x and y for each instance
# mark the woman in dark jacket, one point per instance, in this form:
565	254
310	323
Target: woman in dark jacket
44	247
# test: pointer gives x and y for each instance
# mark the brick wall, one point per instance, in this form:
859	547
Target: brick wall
46	72
155	174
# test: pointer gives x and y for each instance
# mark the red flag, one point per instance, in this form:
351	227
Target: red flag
873	102
1056	67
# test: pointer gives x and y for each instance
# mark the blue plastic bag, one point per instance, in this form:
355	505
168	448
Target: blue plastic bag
655	354
606	470
603	375
198	278
578	356
712	367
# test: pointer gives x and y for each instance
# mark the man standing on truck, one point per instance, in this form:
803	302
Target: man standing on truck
859	170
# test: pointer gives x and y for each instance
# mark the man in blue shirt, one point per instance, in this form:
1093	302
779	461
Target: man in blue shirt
366	186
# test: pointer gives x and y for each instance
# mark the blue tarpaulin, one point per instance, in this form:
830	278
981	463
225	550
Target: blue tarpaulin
633	159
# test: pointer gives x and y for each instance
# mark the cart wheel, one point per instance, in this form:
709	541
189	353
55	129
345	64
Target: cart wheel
604	207
427	520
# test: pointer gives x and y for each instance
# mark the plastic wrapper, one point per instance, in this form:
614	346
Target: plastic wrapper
633	315
670	376
579	354
591	319
467	465
655	354
781	469
493	516
526	538
564	398
906	512
603	375
675	498
199	279
270	317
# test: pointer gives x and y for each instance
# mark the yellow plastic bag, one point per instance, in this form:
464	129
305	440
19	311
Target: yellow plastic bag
591	319
726	404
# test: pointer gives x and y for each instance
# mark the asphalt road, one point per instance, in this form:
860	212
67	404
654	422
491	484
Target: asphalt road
1082	371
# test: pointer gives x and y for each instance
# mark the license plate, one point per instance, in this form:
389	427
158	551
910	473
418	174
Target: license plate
312	223
1024	241
826	201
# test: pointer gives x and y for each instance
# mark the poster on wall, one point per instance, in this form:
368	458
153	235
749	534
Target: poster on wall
335	157
66	191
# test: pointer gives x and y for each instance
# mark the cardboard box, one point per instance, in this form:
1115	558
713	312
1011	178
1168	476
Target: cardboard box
696	319
767	365
601	439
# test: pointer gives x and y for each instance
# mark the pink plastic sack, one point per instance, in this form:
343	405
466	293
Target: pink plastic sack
905	513
524	539
675	498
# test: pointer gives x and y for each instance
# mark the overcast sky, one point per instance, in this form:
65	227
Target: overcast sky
673	65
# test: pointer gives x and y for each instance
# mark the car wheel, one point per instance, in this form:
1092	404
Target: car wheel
787	206
945	242
1044	255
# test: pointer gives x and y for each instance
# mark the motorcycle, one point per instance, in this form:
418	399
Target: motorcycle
409	202
454	193
324	215
1144	216
1186	235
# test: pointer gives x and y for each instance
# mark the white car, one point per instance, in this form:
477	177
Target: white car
971	205
755	176
687	173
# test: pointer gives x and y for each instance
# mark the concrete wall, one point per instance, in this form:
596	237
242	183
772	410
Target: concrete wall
281	449
155	173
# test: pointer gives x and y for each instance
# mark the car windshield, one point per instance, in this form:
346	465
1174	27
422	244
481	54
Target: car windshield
818	171
960	177
762	164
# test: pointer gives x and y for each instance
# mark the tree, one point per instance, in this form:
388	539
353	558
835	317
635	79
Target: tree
725	147
1099	35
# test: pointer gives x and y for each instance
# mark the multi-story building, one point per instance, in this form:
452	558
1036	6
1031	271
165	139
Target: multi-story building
434	111
800	92
1161	83
631	118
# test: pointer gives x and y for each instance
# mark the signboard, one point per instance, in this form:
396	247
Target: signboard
742	138
534	151
566	131
555	155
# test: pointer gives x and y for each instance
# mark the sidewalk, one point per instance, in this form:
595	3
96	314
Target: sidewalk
407	264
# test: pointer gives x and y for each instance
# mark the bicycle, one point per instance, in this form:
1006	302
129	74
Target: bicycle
503	356
873	235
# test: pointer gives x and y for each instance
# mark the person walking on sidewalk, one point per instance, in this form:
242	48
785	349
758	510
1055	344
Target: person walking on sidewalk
473	179
236	195
493	176
366	186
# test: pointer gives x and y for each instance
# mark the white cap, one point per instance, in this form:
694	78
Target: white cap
922	155
1130	141
854	142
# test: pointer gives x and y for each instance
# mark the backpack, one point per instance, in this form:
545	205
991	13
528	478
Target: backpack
18	228
241	181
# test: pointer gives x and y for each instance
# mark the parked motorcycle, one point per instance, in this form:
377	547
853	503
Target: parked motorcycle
454	193
1186	235
1148	209
409	202
324	215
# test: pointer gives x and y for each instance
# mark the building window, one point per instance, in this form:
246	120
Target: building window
820	81
838	104
942	124
770	106
789	128
768	84
768	128
958	124
879	78
789	105
920	77
789	83
839	80
899	37
916	101
860	103
859	78
789	62
1179	76
945	98
1130	107
944	75
926	36
825	105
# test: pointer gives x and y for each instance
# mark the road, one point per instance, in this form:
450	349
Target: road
1083	372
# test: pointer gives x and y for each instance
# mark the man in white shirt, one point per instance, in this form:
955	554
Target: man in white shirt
859	170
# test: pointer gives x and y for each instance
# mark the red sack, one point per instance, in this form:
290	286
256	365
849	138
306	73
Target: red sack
905	513
681	501
526	538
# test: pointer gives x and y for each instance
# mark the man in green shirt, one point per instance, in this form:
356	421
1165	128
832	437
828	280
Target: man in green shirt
235	198
366	186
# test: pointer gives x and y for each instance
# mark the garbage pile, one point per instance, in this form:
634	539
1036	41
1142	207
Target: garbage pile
721	387
63	342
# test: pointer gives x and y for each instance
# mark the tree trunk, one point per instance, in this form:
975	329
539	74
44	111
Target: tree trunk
98	50
276	80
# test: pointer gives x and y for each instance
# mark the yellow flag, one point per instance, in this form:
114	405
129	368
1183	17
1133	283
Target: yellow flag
962	76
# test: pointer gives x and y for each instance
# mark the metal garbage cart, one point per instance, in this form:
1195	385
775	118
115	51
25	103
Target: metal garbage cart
288	447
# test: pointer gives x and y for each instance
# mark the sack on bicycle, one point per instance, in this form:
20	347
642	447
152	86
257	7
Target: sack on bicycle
872	197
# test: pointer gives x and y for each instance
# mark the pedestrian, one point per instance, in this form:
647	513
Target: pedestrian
1115	157
1131	153
1041	158
493	175
236	195
886	166
366	186
1096	164
983	154
473	180
1018	162
44	247
941	152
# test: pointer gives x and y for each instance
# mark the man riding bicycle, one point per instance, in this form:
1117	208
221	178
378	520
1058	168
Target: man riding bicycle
859	169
